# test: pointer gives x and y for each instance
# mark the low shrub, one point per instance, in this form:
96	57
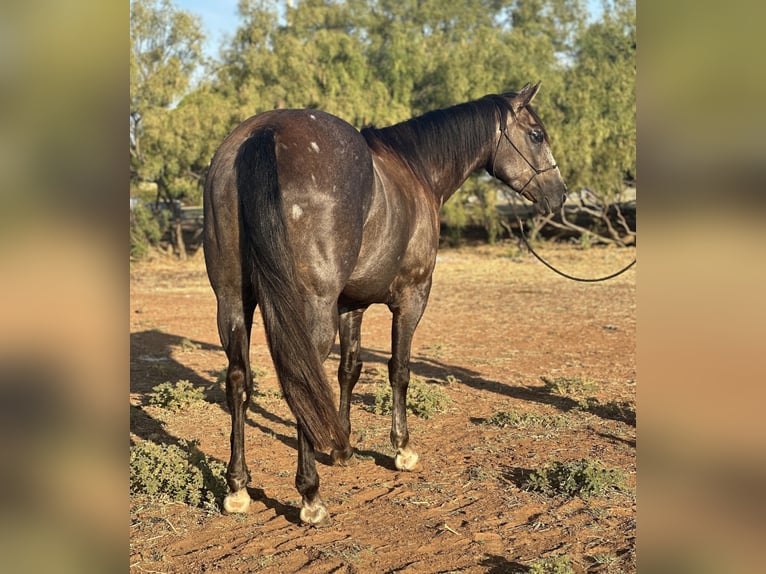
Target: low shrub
551	565
513	419
176	397
568	386
179	473
424	399
623	411
146	230
584	478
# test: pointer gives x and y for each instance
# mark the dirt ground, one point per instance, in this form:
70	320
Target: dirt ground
497	322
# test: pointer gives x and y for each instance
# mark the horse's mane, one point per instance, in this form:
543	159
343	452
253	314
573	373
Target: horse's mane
444	137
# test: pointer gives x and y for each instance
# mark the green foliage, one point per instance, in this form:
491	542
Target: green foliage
176	397
146	230
172	133
568	386
179	473
584	478
424	399
455	217
473	204
551	565
513	419
380	62
624	411
585	241
598	129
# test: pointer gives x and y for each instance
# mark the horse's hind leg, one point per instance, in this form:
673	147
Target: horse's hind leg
313	509
348	372
322	314
234	323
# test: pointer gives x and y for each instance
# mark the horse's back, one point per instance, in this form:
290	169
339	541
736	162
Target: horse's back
325	179
308	143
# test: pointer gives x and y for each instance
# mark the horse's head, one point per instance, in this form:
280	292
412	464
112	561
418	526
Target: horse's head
522	157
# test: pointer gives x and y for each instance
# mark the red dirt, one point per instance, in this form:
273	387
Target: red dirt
495	323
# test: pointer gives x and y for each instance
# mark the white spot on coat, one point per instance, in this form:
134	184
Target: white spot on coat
312	116
314	147
297	212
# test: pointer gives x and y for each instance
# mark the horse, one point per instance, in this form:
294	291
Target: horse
313	221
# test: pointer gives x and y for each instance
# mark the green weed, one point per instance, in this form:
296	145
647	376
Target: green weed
551	565
187	345
624	411
179	473
424	399
176	397
513	419
568	386
584	478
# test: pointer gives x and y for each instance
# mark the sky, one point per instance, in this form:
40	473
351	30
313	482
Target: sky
220	19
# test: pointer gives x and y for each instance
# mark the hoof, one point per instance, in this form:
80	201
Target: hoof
342	457
236	502
407	460
315	514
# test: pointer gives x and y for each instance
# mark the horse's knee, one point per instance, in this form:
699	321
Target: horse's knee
398	373
237	389
348	374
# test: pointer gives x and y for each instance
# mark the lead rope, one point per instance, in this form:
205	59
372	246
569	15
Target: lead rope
537	172
552	268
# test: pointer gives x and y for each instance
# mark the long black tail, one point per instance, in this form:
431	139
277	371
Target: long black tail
297	362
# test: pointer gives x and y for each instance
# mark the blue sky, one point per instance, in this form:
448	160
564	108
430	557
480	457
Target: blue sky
220	19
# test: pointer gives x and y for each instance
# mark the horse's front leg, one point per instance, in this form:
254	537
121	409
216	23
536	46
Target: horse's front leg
407	313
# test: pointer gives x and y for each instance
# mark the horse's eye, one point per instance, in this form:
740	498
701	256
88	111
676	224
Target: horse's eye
536	136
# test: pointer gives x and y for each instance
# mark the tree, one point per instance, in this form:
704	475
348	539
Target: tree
595	124
383	61
165	50
599	108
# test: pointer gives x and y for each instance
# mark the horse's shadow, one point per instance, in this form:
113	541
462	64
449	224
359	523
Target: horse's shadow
152	362
157	357
290	513
432	368
501	565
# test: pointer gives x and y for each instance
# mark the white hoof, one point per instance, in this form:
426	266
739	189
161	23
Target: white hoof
315	514
237	502
407	459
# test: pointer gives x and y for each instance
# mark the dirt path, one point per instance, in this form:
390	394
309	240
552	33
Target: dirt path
494	326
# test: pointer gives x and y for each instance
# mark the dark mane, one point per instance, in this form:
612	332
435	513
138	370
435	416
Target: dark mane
443	137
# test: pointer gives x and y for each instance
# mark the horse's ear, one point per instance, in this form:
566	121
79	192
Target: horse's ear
525	96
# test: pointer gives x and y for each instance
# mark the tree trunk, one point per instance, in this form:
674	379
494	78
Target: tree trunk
178	238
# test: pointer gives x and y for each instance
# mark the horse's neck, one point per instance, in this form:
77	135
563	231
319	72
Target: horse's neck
422	150
449	179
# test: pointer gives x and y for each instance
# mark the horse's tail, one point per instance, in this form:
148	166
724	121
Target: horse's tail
296	359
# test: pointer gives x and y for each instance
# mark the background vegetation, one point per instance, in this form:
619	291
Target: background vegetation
380	62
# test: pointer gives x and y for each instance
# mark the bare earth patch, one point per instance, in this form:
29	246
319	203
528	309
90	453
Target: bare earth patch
496	329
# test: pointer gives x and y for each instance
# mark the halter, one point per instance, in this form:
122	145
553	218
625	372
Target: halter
537	170
521	224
